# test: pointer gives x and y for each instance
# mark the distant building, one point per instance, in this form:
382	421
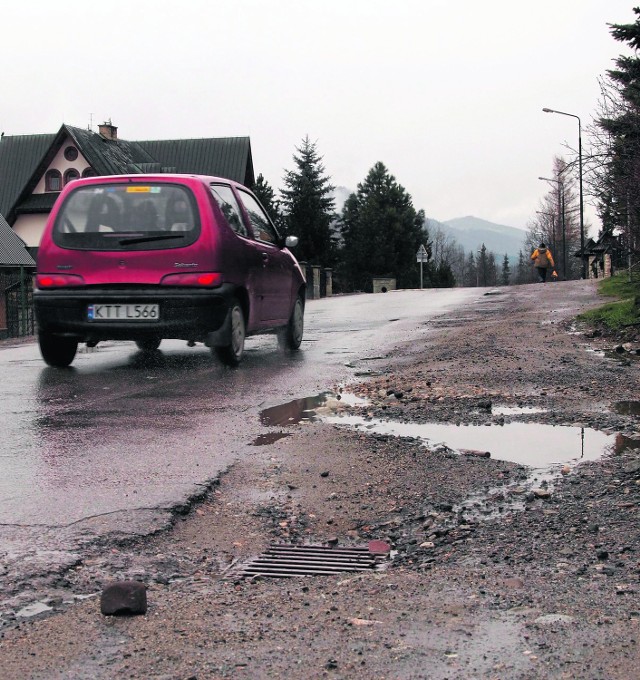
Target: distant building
35	168
602	257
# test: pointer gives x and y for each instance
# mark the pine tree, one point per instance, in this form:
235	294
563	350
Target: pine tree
266	195
382	232
308	206
506	270
619	185
471	279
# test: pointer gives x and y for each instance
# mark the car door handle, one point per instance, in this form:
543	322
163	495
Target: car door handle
265	258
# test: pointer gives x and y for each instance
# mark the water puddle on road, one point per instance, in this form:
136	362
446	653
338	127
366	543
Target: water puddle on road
532	444
516	410
269	438
627	408
306	410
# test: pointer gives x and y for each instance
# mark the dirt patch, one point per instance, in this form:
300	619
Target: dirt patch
541	580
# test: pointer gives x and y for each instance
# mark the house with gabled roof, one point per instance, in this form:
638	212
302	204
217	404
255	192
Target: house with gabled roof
16	268
34	168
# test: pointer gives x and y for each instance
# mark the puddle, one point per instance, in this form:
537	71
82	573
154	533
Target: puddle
307	409
269	438
624	357
33	610
516	410
627	408
531	444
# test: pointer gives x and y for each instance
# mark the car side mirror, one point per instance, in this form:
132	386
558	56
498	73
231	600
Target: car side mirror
291	241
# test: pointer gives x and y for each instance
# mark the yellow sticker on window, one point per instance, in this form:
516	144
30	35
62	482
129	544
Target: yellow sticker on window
138	190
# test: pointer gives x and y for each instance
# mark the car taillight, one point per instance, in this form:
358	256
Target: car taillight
193	279
58	280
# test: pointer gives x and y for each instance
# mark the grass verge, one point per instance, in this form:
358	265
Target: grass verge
623	312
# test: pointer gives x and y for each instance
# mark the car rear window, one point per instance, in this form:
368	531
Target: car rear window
124	217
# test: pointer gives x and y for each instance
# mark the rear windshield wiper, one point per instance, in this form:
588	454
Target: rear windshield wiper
147	239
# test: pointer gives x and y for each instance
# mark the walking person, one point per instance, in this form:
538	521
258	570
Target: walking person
542	261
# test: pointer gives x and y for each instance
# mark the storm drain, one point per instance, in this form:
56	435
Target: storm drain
285	561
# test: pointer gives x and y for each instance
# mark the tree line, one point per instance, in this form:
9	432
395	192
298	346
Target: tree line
376	234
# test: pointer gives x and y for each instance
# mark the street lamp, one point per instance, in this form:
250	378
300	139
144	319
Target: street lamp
573	115
564	235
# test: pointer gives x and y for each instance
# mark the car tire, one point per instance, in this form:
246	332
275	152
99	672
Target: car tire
290	337
148	344
232	354
57	350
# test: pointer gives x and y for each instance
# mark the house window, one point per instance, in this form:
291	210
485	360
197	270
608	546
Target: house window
70	174
53	180
71	153
89	172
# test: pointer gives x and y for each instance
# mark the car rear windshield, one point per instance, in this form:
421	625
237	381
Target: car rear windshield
127	217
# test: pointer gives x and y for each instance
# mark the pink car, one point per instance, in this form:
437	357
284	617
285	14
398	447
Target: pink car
147	257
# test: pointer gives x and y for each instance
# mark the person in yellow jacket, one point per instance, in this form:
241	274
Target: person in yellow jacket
542	260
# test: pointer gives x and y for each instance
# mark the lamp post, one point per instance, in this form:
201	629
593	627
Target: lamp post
564	234
573	115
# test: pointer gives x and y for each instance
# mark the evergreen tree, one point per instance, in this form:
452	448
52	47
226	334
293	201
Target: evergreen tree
382	232
506	270
619	174
308	206
266	195
444	277
471	272
492	270
522	269
483	267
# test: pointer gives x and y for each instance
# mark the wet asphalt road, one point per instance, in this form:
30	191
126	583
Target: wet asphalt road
116	441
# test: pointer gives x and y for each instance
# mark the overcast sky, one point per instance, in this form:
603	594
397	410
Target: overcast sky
447	94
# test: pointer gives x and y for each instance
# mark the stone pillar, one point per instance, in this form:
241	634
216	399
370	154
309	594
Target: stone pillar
315	282
328	273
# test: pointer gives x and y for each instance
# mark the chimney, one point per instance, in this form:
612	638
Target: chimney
108	130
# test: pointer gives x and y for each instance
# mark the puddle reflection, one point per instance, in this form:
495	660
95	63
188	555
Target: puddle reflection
627	408
516	410
307	409
532	444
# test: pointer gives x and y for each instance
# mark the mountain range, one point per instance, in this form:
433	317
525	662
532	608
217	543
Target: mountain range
469	232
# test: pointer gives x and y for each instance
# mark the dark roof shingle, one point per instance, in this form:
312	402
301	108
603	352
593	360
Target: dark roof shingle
19	157
228	157
12	249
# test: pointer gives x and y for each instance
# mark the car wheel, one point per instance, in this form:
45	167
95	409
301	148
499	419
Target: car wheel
57	350
290	337
231	354
148	344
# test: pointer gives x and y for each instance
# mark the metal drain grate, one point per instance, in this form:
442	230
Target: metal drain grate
285	561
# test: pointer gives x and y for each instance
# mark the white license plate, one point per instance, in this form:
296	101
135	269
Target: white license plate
113	312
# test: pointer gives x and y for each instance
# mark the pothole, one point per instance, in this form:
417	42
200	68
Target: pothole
269	438
307	409
627	408
532	444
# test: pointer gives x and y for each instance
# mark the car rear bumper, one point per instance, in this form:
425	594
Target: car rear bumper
183	313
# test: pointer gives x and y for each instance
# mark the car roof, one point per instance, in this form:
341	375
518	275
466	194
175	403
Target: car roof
158	177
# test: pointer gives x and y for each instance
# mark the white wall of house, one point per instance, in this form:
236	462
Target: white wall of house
61	164
29	228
